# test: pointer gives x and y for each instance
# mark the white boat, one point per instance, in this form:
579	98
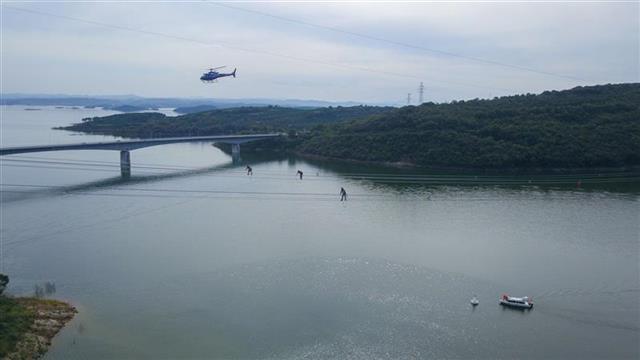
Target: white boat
474	301
516	302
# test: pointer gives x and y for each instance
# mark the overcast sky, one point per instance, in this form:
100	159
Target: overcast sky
282	56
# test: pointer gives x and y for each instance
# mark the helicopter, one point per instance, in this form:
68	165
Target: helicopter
212	75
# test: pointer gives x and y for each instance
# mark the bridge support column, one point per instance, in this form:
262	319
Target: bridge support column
235	153
235	149
125	163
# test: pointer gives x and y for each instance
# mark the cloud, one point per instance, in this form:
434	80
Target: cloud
594	41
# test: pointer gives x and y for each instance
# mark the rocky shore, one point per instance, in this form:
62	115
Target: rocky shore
49	316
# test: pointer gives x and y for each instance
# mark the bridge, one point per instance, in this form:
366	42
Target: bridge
124	146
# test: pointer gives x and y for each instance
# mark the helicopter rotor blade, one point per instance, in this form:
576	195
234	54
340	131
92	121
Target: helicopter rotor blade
216	68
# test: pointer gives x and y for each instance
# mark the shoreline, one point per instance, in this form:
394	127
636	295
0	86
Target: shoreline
48	318
472	171
591	172
600	172
577	173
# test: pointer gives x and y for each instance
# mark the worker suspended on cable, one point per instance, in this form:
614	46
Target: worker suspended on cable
249	170
300	174
343	194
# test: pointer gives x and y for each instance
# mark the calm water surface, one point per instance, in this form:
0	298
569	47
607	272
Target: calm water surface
191	258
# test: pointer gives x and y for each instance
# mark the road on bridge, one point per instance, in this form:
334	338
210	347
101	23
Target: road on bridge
124	146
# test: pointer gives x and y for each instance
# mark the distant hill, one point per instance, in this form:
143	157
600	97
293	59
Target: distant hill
195	109
128	108
183	105
223	121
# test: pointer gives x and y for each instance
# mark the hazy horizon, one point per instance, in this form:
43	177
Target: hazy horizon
124	97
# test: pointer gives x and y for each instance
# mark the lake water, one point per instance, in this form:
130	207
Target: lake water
192	258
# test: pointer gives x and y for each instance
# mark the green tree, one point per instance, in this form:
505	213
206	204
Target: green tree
4	280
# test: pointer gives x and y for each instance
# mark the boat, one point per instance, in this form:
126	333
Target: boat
516	302
474	301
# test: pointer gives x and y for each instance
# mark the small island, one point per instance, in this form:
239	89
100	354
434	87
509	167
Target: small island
127	108
28	324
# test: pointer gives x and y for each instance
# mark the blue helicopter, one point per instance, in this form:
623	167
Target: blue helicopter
212	75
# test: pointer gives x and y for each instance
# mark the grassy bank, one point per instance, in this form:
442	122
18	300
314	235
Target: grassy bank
27	325
15	321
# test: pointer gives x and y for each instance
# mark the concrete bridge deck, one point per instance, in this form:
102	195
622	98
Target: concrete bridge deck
124	146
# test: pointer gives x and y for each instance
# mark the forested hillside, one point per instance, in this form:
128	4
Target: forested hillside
222	121
584	127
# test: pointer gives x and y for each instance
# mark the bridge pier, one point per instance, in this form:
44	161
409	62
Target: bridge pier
235	153
235	149
125	159
125	163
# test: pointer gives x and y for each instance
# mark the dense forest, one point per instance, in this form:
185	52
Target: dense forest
585	127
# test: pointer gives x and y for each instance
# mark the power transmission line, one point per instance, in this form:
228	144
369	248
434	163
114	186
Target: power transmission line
164	166
373	177
251	195
203	191
398	43
243	49
357	175
427	179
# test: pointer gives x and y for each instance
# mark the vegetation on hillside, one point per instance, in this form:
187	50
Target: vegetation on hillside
222	121
580	128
